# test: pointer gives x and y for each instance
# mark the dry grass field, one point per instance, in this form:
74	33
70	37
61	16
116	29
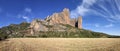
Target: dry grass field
60	44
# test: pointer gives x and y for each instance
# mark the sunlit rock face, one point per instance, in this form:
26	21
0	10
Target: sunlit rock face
36	26
76	22
73	22
53	22
80	22
58	18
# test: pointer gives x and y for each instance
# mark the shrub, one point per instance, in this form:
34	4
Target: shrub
3	36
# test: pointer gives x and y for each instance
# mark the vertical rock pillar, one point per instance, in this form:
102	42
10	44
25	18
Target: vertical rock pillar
80	22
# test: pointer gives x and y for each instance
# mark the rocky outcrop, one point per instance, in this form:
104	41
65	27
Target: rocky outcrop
80	22
73	22
76	22
55	21
36	26
59	18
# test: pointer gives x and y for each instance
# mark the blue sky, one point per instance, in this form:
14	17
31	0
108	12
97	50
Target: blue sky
98	15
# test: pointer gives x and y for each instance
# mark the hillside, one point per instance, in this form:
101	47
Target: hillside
21	30
57	25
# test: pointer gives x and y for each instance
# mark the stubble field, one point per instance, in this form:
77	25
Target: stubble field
60	44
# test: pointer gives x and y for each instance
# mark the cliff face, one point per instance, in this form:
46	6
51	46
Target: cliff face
58	18
76	22
55	21
36	26
80	22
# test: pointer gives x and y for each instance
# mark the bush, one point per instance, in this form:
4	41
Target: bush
3	36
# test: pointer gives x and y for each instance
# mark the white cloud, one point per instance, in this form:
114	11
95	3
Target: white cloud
29	10
97	25
108	9
83	8
79	11
88	3
26	18
103	26
26	14
109	25
118	4
93	25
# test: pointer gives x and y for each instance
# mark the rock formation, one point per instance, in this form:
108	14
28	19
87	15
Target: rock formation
58	18
55	21
76	22
80	22
36	26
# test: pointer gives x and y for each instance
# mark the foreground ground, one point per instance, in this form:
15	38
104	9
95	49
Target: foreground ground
60	44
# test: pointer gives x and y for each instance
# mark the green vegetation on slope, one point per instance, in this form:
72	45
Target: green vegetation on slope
20	30
71	32
79	34
13	30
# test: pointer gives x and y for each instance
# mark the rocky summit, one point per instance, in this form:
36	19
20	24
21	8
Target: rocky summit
55	22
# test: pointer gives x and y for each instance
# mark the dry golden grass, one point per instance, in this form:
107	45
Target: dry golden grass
60	44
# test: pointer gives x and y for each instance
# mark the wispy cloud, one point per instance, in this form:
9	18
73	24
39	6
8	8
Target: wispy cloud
109	9
97	25
29	10
26	14
83	8
109	25
26	18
